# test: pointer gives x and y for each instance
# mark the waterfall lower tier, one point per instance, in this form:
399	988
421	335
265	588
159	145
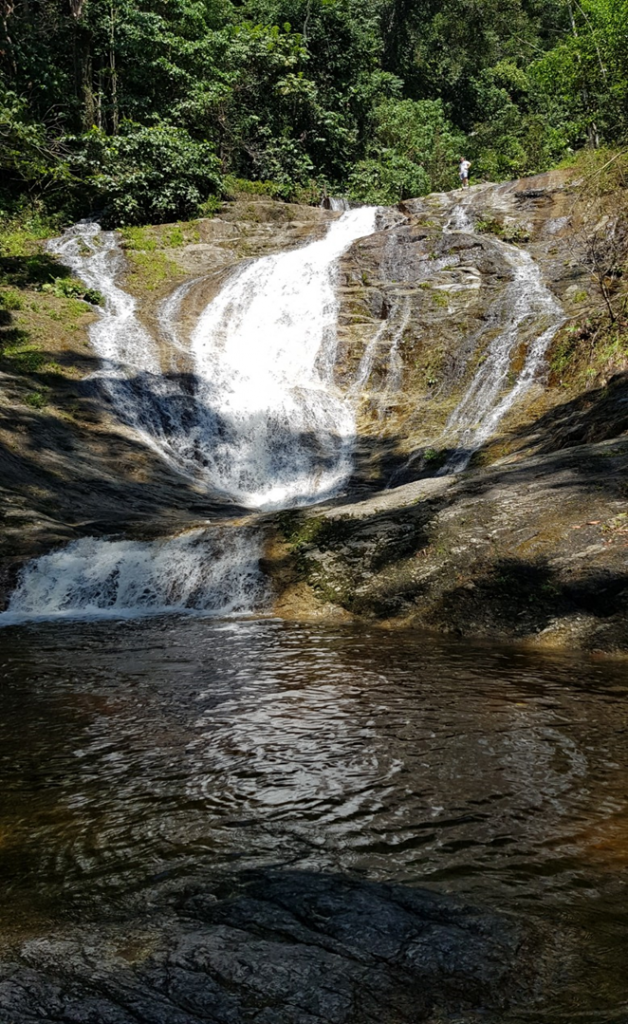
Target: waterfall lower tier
212	571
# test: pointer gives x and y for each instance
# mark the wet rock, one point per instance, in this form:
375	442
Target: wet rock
533	548
279	948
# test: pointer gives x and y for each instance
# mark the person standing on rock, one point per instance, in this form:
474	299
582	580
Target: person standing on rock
463	171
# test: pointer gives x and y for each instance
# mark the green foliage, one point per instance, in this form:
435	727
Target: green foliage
71	288
387	180
24	154
10	300
36	399
153	110
414	148
20	356
155	173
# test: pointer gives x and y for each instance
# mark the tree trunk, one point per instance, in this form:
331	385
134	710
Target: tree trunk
115	113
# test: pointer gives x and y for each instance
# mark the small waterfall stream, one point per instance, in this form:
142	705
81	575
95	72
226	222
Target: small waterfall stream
526	303
211	571
527	313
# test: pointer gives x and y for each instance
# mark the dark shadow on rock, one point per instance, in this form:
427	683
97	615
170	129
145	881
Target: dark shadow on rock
36	269
281	947
522	597
595	415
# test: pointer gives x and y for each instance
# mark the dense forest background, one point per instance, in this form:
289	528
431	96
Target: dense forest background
149	110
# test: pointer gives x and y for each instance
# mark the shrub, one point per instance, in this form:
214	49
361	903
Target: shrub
387	180
145	174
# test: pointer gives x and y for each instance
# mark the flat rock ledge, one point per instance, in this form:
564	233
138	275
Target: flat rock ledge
533	549
278	948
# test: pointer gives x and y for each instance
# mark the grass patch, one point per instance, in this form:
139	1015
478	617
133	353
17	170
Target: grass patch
72	288
589	352
149	270
36	399
152	238
22	261
22	356
514	233
11	300
141	239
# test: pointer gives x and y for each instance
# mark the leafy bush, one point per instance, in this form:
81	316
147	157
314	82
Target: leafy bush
71	288
152	174
414	151
387	180
420	132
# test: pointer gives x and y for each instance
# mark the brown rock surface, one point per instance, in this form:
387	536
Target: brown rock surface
528	542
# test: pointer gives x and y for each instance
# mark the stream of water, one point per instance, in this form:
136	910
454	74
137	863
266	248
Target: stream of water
527	311
257	416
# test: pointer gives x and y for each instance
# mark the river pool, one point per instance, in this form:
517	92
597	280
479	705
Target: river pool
146	754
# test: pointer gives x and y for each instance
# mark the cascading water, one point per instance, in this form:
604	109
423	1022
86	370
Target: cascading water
130	370
526	304
258	419
256	416
264	355
211	571
526	308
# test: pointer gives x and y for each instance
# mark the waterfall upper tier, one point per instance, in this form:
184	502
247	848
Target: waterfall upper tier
248	404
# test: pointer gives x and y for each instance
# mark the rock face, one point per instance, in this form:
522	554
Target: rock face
457	318
280	948
530	541
426	297
533	549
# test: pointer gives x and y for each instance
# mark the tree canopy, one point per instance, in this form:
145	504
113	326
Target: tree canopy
145	109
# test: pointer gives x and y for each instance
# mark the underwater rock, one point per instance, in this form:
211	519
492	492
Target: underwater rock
279	948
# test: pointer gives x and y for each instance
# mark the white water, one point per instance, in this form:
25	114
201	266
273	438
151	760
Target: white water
264	355
262	422
211	571
526	308
527	312
130	370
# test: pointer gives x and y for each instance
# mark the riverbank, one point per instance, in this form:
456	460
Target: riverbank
530	548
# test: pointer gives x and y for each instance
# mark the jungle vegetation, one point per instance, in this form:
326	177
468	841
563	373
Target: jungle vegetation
152	110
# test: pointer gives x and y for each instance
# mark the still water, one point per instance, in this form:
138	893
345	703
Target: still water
142	754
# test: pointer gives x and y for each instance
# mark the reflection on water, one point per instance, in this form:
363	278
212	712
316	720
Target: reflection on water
135	754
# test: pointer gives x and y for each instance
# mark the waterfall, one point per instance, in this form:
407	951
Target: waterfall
256	415
130	371
526	305
213	571
259	418
264	355
336	203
